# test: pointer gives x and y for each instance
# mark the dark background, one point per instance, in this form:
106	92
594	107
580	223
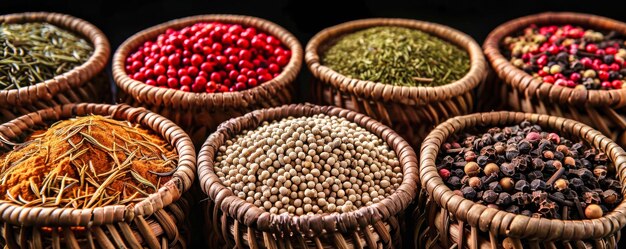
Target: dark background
121	19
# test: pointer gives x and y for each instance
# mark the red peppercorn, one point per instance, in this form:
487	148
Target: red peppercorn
216	77
161	80
274	68
591	48
614	67
542	60
172	83
252	82
242	78
575	77
151	82
192	71
185	88
444	173
587	62
604	67
554	49
561	82
206	67
603	75
606	85
197	60
548	79
185	80
616	84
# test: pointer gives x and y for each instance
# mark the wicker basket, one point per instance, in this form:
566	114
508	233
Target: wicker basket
200	113
602	109
85	83
233	222
158	221
410	111
454	220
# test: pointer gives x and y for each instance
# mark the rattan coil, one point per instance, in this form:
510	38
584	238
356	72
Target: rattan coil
159	221
233	222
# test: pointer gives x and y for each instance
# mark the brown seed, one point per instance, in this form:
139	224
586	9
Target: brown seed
593	211
507	184
563	149
475	182
472	169
548	154
491	168
557	164
561	184
569	161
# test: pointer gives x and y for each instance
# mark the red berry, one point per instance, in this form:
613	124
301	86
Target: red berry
149	73
223	88
243	43
542	73
444	173
206	67
272	40
242	78
185	88
200	80
575	77
240	86
229	67
233	59
245	54
192	71
548	79
216	77
604	67
172	83
159	69
233	74
282	60
560	82
554	49
603	75
245	64
222	60
151	82
591	48
614	67
185	80
610	50
606	85
616	84
136	65
196	59
542	60
174	60
257	42
274	68
252	82
217	47
587	63
198	87
171	73
161	80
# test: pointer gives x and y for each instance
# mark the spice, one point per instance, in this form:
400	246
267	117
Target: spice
397	56
36	52
209	57
539	174
309	165
570	56
86	162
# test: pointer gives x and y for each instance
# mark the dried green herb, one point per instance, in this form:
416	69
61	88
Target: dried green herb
35	52
397	56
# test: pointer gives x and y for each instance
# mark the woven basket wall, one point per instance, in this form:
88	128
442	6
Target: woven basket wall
159	221
200	113
410	111
233	222
453	221
85	83
516	90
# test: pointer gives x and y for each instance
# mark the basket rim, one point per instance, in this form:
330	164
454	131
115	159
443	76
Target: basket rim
75	77
509	224
534	87
167	194
386	92
154	95
306	225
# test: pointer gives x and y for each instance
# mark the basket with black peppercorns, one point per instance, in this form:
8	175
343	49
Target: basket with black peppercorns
515	180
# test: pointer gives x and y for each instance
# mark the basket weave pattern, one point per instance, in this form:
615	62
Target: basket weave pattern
411	111
85	83
448	215
518	91
233	222
158	221
200	113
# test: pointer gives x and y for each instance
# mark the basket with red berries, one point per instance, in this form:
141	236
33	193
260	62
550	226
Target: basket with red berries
200	71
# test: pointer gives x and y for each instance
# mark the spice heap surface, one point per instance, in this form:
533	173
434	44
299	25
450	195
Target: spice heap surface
209	57
86	162
35	52
524	170
397	56
570	56
309	165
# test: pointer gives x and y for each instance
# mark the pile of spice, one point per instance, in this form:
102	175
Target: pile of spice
86	162
524	170
209	57
36	52
397	56
570	56
309	165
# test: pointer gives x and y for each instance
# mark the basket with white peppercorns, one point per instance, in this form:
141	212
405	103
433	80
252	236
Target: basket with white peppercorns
302	176
520	180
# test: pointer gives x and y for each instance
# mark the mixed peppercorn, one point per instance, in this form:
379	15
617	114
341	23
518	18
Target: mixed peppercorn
570	56
524	170
209	57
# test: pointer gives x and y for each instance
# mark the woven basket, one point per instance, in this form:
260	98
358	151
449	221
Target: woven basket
602	109
233	222
410	111
85	83
455	221
200	113
159	221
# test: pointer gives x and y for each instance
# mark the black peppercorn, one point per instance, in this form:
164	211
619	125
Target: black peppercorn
591	198
524	147
482	160
504	199
455	181
511	152
533	175
507	169
489	196
495	186
469	193
522	186
537	184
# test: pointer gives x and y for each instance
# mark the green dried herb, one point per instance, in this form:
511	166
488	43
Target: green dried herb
397	56
35	52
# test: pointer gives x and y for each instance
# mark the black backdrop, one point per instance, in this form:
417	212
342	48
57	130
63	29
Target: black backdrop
121	19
